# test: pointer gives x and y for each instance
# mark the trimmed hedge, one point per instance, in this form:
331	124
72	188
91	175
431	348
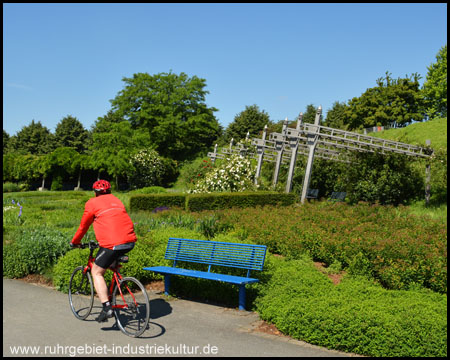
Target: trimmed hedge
153	201
217	201
210	201
355	316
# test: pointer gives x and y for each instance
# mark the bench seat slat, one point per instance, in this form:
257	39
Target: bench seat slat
239	280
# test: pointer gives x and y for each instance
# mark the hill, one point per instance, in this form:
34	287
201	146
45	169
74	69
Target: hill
418	133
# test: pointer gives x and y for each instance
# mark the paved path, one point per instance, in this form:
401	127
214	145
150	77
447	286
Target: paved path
38	319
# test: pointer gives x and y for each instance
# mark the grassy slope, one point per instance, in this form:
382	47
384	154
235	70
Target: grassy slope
418	133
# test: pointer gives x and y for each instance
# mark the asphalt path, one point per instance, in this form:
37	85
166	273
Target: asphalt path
37	321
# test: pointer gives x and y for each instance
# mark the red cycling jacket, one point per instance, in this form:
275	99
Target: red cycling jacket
112	224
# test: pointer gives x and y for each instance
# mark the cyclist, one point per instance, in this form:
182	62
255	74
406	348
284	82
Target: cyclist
114	232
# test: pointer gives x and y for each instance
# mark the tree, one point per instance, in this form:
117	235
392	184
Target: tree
70	133
5	141
336	116
172	109
310	115
250	120
33	139
41	167
435	87
20	167
62	160
112	149
397	101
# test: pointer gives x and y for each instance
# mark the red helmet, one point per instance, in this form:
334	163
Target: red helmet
102	187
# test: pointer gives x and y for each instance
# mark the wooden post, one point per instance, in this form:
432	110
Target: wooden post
260	151
427	178
293	143
214	157
312	142
279	147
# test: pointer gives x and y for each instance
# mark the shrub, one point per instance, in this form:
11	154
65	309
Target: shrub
57	183
355	316
150	169
388	179
66	265
396	248
193	172
235	174
10	187
35	250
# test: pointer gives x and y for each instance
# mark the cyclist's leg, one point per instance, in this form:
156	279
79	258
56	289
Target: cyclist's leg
99	282
103	260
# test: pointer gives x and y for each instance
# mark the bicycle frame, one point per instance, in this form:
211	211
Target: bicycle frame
117	277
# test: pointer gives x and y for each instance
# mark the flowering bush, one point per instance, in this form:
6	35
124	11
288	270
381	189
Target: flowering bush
192	172
149	169
236	174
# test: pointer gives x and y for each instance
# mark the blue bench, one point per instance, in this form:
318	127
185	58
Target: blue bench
312	193
338	196
212	253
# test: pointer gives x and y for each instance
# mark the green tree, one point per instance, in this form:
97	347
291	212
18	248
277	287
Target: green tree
33	139
112	149
63	162
172	109
396	101
310	115
20	167
435	86
251	120
70	133
5	141
336	116
41	166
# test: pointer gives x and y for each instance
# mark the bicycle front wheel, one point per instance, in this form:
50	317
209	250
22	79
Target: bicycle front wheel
131	306
81	293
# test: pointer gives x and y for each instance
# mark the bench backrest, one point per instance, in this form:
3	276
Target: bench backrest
244	256
312	193
336	195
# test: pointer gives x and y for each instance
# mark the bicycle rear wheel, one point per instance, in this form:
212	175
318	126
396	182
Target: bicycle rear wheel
81	293
131	306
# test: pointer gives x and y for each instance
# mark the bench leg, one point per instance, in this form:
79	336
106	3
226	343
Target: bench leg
166	284
242	297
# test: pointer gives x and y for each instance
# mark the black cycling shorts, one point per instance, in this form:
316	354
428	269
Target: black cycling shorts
105	257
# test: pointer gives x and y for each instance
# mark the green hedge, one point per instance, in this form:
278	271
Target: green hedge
210	201
355	316
153	201
217	201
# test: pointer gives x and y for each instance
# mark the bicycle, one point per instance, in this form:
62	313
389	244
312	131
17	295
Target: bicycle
127	295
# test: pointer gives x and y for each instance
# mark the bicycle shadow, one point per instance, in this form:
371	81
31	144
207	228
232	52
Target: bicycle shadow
158	308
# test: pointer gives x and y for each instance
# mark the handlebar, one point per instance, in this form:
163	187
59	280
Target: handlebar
91	245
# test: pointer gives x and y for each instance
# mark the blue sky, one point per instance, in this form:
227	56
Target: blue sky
69	59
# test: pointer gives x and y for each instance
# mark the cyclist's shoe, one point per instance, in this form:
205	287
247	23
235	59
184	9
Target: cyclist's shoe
105	315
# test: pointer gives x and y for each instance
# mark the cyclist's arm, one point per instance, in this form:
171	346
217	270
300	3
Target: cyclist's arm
86	221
